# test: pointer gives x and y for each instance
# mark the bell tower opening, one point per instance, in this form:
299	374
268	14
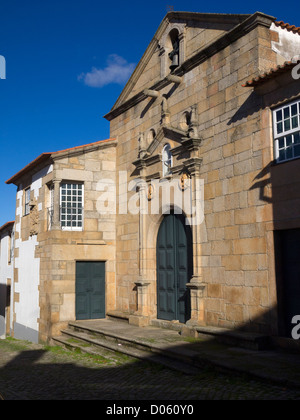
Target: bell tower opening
172	48
175	45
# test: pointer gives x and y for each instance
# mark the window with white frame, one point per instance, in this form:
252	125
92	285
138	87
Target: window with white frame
166	159
287	131
27	201
71	206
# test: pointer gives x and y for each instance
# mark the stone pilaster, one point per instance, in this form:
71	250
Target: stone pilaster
196	285
56	204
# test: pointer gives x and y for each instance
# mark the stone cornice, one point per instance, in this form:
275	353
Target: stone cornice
147	161
142	64
188	144
192	166
82	150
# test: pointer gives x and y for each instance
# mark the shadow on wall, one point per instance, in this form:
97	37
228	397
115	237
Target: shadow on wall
22	332
279	189
279	185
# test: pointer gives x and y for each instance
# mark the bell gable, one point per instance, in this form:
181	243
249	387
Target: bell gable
179	38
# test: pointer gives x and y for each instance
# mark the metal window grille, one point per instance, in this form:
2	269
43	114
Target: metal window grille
71	209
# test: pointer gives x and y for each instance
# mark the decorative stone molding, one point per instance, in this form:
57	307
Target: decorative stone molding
174	79
188	139
150	192
165	113
151	93
183	178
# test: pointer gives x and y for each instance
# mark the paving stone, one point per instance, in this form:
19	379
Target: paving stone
32	372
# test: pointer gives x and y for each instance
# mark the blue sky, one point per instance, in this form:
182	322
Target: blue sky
66	64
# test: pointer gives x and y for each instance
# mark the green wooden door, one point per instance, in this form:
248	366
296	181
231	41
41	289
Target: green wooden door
174	269
90	290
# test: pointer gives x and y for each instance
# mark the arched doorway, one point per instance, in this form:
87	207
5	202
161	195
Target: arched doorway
174	256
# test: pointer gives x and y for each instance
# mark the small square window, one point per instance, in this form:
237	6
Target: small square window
282	157
281	143
289	140
279	128
287	125
279	115
286	113
294	109
297	151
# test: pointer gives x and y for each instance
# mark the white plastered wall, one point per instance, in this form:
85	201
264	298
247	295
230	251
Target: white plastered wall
27	310
288	46
6	272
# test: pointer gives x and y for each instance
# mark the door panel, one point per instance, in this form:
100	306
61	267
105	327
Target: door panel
174	269
90	290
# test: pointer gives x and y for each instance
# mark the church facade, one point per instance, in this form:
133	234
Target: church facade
198	207
189	96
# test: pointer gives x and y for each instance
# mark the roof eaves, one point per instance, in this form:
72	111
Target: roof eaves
262	78
83	148
40	159
45	156
7	225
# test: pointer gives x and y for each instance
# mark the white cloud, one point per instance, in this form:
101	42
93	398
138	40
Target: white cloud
118	71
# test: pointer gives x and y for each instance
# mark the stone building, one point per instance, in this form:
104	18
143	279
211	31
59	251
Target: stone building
59	236
202	226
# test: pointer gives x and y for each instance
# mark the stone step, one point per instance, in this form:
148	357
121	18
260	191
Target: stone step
92	344
175	350
235	338
119	341
251	341
118	316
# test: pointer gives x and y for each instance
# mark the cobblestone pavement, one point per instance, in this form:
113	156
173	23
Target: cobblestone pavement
33	372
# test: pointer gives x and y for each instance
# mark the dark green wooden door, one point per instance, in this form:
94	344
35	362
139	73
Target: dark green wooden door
174	269
90	290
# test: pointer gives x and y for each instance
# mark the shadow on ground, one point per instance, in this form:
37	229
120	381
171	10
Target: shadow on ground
32	372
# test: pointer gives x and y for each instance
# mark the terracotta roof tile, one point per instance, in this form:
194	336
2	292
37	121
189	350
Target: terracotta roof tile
292	28
287	66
